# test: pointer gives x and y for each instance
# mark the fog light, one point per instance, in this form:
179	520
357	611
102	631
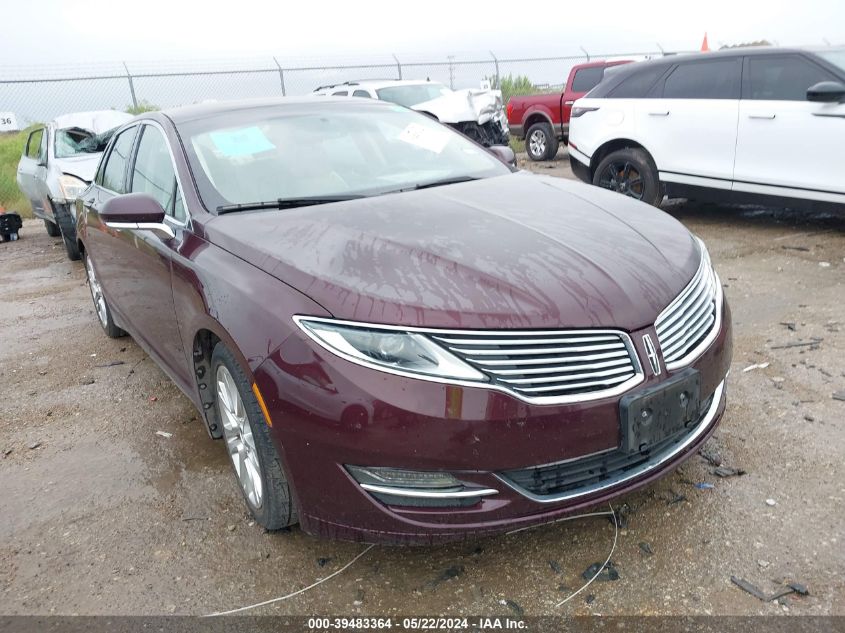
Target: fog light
395	486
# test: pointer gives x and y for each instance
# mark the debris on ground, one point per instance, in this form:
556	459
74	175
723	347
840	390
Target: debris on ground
645	548
789	325
747	587
755	366
712	457
513	606
703	485
359	598
839	395
590	599
620	516
601	573
164	434
88	381
453	571
322	561
555	566
771	502
231	528
789	247
763	563
726	471
809	418
813	342
32	446
754	590
675	498
7	452
111	363
153	398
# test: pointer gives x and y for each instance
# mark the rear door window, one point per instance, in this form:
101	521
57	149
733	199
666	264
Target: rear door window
638	85
783	78
586	79
114	172
361	93
717	79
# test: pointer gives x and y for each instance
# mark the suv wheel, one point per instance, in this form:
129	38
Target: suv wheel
541	142
632	173
257	464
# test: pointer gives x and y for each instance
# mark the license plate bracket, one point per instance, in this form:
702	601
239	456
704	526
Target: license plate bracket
656	413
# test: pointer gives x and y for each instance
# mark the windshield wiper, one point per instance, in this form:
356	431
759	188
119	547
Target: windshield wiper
436	183
284	203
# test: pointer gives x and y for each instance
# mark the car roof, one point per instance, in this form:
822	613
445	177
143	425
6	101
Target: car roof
195	112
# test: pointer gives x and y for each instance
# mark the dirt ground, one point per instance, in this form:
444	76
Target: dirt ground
101	514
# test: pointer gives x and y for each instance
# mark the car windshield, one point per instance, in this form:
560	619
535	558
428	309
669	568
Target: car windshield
835	56
325	151
409	96
74	141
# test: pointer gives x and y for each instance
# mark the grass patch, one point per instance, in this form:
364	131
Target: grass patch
11	198
517	144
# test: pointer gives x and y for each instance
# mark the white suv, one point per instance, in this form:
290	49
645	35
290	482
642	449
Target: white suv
743	125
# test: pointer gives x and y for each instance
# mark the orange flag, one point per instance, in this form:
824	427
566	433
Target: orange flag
704	46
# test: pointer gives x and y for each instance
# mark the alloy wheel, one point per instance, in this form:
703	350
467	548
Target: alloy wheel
624	178
97	293
537	143
237	433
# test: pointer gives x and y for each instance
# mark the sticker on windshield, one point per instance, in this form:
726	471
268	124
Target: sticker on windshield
429	138
243	142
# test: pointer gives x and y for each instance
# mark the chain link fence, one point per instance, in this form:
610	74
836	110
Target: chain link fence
37	94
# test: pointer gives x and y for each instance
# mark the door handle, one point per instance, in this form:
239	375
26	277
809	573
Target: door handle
659	113
761	116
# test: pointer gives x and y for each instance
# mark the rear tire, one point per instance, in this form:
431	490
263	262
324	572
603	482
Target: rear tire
52	229
631	172
541	142
101	307
255	460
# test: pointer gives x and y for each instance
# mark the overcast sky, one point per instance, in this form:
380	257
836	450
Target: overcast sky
81	31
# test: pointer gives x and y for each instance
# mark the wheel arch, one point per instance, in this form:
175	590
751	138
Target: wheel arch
536	116
612	146
206	336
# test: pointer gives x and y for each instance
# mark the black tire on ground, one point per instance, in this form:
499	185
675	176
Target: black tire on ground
68	230
106	320
52	228
631	172
277	508
541	143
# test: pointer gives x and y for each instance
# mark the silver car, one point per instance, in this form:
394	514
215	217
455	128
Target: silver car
58	161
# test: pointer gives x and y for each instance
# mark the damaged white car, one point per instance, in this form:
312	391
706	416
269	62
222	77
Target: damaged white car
477	113
59	161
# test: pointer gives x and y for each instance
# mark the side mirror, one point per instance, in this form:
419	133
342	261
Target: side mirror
504	154
135	211
826	92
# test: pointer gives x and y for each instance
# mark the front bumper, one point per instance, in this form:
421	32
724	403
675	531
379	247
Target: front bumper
328	413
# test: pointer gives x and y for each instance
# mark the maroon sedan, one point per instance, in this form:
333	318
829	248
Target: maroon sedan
399	338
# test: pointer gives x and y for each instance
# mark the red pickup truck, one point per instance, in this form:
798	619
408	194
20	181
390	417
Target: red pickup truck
543	120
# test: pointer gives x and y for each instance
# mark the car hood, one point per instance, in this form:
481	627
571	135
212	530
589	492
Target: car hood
83	166
514	251
469	104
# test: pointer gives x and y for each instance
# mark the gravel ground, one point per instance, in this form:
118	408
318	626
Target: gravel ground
101	514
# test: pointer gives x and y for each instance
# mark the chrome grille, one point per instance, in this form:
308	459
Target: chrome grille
690	318
550	366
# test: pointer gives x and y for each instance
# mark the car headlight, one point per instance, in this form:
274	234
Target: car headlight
385	349
71	187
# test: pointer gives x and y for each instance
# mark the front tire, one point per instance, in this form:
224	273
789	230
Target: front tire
52	228
255	460
67	230
541	142
631	172
101	307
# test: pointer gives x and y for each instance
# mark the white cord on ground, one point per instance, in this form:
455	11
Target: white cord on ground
601	569
295	593
572	518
